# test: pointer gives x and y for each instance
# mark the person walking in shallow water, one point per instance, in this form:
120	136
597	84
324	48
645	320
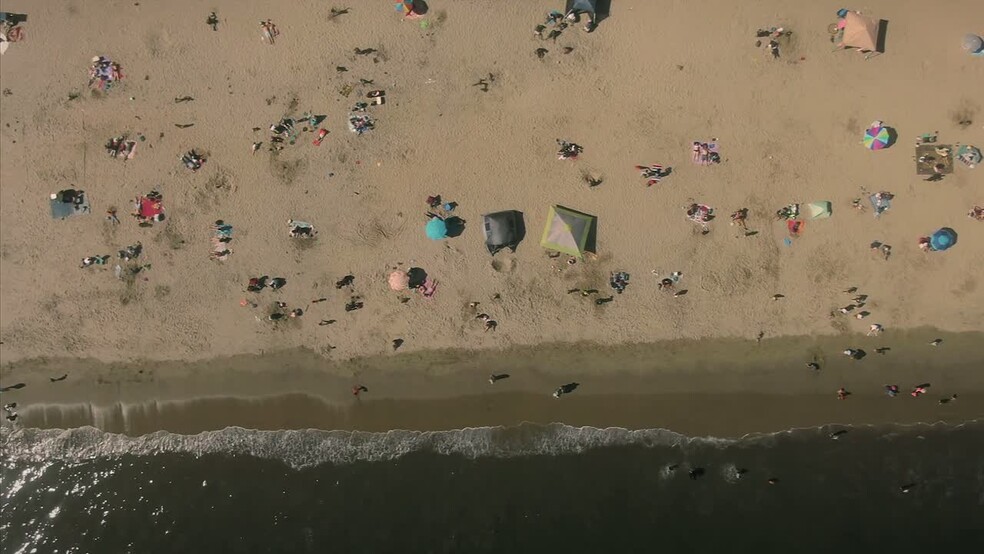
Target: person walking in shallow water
358	389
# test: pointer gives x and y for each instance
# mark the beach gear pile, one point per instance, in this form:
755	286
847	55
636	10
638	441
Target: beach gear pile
300	229
10	30
360	123
104	73
568	150
652	173
221	240
149	208
193	160
119	147
619	281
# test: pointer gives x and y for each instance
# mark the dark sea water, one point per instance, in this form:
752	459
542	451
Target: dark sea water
525	489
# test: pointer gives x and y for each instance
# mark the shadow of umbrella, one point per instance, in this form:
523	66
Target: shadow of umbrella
455	226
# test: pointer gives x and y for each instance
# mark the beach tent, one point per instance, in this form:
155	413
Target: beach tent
815	210
503	230
567	231
861	32
582	6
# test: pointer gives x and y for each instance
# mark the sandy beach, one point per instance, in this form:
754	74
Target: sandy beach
650	80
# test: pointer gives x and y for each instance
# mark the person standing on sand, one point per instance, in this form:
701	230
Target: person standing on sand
357	389
842	393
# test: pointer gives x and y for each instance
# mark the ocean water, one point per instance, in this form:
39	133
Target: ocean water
530	488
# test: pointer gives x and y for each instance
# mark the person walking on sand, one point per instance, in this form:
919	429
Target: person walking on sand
875	329
497	377
842	393
358	389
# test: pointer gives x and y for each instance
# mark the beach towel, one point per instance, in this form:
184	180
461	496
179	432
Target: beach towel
704	153
428	288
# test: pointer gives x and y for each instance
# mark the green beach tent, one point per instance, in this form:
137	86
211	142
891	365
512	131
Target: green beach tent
567	231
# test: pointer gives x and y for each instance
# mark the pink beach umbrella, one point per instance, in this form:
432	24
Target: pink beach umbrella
399	280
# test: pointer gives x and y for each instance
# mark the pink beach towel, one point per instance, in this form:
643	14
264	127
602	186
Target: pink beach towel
428	288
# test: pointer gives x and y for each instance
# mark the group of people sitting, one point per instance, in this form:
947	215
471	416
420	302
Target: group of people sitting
256	284
104	72
119	147
568	150
193	160
149	208
618	281
705	153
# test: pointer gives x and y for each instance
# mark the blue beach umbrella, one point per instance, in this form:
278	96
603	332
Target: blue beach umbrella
942	239
436	229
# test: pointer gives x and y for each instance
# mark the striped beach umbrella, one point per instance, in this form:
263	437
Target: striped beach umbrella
878	137
404	7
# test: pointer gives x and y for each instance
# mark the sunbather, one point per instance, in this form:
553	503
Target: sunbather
94	260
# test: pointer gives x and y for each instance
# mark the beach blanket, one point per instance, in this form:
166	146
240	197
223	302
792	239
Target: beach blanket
68	205
928	156
880	202
705	153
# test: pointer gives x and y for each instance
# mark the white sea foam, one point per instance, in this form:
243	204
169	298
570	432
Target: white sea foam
310	447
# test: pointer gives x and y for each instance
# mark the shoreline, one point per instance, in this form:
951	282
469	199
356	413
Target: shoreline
718	387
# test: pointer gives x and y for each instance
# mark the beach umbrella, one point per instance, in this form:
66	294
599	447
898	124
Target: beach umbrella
970	155
860	32
417	277
973	44
398	280
567	231
878	137
404	7
436	229
942	239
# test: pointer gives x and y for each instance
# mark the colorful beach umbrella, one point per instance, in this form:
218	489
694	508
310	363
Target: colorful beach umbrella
436	229
878	137
942	239
398	280
404	7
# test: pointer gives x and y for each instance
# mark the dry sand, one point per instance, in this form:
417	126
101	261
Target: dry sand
654	77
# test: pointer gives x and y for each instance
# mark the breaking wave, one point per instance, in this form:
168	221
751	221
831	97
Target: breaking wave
311	447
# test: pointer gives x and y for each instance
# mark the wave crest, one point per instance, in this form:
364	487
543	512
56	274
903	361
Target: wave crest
309	447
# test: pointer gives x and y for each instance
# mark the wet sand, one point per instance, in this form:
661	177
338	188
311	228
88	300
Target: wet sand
715	387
